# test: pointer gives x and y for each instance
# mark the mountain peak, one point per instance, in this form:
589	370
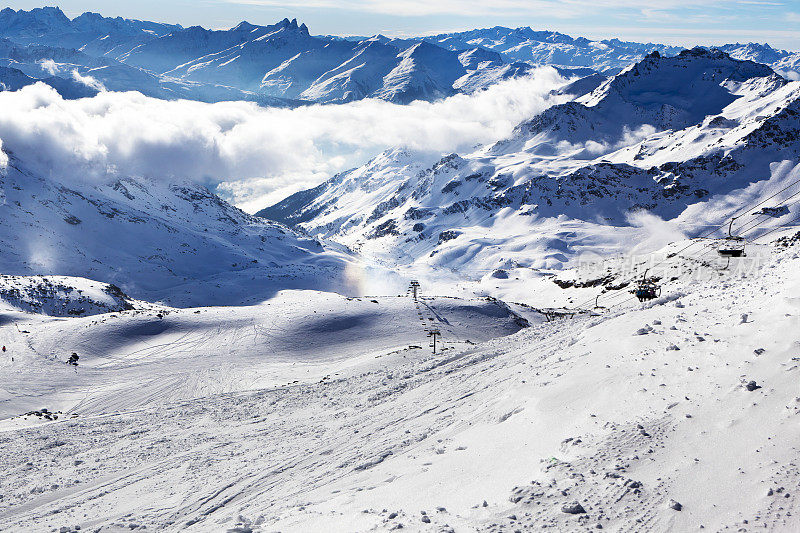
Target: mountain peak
53	11
89	15
244	26
41	15
292	25
702	52
289	24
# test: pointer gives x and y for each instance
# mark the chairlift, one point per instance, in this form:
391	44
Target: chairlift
732	245
551	314
597	306
646	289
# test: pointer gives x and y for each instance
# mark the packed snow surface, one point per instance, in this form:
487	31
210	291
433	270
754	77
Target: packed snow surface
139	357
664	416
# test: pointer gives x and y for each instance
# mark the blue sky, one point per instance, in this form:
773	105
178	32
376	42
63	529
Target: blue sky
682	22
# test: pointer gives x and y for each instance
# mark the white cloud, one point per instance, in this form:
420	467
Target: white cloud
260	153
87	80
3	157
552	8
654	232
49	66
592	148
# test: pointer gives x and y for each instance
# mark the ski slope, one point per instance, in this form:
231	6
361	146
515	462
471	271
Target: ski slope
144	357
623	412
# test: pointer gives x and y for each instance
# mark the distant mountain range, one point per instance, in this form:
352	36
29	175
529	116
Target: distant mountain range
667	136
679	134
283	64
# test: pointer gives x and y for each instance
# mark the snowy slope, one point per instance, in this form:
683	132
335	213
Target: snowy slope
184	46
547	195
627	414
175	242
663	92
76	74
142	357
264	59
355	78
63	296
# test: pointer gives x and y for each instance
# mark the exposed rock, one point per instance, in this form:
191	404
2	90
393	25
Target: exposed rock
752	385
573	508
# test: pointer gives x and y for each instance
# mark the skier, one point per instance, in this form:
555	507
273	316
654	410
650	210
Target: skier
4	349
73	359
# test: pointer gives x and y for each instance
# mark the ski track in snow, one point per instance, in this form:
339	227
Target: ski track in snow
583	410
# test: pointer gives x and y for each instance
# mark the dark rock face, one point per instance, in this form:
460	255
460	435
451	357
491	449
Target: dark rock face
752	386
388	227
573	508
448	235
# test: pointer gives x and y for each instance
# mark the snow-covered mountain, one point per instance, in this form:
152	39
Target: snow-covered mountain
552	48
50	65
283	64
785	63
279	64
315	412
284	60
608	56
171	363
157	241
672	135
669	93
90	32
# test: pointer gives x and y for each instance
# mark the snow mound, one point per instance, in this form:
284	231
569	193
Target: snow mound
63	295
